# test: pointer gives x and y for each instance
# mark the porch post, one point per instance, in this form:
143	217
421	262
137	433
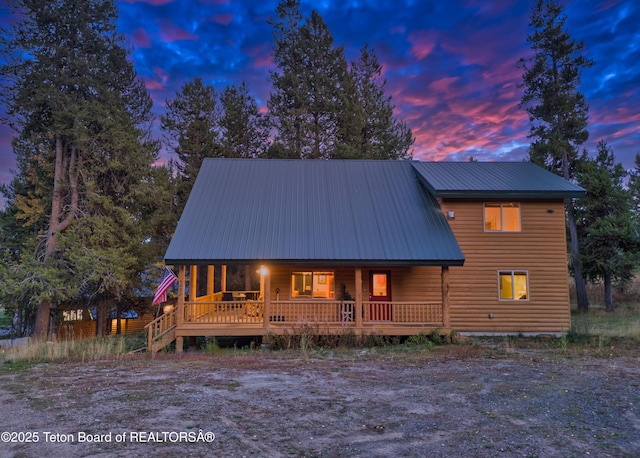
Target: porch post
211	272
247	277
358	307
223	278
193	280
446	322
180	307
266	275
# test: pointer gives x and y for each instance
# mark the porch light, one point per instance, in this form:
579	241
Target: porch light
167	308
263	270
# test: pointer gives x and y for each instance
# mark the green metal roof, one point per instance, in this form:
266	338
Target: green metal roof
494	180
313	212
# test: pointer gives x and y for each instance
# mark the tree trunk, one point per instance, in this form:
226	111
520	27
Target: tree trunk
56	224
41	325
608	293
118	319
101	319
581	287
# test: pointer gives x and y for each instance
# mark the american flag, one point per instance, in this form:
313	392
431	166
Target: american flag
168	279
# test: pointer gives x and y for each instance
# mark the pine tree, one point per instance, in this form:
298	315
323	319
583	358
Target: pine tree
319	107
558	112
381	135
245	131
634	191
308	88
82	118
607	237
191	125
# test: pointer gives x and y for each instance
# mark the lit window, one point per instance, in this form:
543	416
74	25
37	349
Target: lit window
318	285
514	285
380	285
502	217
72	315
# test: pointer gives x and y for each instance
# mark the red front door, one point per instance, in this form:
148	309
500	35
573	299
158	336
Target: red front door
380	295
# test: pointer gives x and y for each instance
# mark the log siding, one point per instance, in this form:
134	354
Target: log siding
539	249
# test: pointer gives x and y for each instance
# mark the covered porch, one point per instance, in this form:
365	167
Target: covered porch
259	312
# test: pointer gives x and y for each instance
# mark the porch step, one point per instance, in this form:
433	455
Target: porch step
163	341
161	332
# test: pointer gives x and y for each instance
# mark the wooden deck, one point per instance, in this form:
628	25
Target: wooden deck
248	318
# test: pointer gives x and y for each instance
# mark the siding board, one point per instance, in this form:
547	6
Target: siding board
539	249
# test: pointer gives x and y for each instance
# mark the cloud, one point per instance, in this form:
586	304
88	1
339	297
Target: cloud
141	38
422	44
169	32
222	19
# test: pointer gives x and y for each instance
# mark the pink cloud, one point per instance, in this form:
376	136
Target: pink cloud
443	84
422	44
158	81
169	32
222	19
261	56
141	38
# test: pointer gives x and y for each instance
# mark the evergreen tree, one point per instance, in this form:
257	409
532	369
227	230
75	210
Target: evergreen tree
245	131
381	136
634	191
191	123
558	112
83	150
634	196
319	107
308	88
607	236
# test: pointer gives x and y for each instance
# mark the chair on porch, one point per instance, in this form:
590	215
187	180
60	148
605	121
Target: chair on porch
346	312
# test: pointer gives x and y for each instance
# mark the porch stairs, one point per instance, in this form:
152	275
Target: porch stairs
161	332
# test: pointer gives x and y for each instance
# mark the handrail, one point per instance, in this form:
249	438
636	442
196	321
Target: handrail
159	328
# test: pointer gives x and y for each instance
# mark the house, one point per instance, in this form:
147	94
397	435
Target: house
79	323
387	247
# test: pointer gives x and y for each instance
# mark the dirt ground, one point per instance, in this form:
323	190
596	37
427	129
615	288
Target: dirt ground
457	401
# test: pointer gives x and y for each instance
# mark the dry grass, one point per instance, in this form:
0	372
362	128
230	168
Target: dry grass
75	350
624	322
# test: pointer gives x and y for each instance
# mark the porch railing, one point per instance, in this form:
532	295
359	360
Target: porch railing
224	312
403	312
342	312
161	331
312	312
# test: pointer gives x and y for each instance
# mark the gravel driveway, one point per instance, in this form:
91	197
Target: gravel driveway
458	401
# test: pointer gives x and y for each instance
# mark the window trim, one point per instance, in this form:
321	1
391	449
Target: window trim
313	273
484	216
513	272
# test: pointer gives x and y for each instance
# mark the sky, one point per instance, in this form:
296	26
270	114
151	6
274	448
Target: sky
451	66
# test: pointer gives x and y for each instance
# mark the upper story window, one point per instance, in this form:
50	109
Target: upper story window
502	217
313	285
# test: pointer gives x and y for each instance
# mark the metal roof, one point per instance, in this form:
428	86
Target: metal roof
311	211
494	180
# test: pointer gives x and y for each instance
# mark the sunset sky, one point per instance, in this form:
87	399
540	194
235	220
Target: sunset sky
450	65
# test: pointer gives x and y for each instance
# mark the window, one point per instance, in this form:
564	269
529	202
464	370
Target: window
502	217
312	285
72	315
514	285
